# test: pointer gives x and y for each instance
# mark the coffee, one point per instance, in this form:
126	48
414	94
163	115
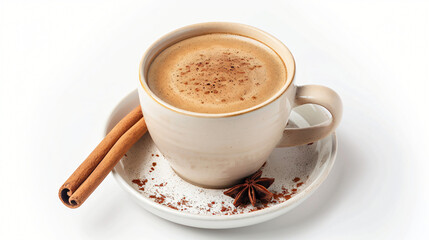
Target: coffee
216	73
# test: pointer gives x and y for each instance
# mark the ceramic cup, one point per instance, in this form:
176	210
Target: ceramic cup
218	150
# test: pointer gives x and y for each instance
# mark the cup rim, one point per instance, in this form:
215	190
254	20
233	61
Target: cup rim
290	70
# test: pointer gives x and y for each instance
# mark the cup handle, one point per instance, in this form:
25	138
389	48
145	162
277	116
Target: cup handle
319	95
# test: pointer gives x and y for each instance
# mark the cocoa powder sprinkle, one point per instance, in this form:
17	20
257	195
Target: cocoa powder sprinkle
213	208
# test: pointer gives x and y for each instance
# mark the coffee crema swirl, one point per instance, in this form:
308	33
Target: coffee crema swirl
216	73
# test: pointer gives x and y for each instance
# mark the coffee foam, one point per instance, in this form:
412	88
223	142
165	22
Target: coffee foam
216	73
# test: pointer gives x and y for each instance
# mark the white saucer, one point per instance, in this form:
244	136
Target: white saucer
168	196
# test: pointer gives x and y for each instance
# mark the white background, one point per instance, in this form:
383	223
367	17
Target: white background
65	64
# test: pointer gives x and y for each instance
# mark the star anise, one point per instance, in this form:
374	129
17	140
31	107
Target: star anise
253	188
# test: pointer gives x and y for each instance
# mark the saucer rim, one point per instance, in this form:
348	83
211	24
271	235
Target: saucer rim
279	209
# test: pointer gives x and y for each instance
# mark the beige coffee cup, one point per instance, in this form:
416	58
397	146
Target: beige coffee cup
217	150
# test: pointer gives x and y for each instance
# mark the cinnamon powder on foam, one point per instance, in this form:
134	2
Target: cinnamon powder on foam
216	73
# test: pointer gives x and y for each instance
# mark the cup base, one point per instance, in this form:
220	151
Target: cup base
205	186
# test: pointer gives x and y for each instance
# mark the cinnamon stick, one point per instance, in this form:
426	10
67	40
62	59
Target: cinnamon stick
102	159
